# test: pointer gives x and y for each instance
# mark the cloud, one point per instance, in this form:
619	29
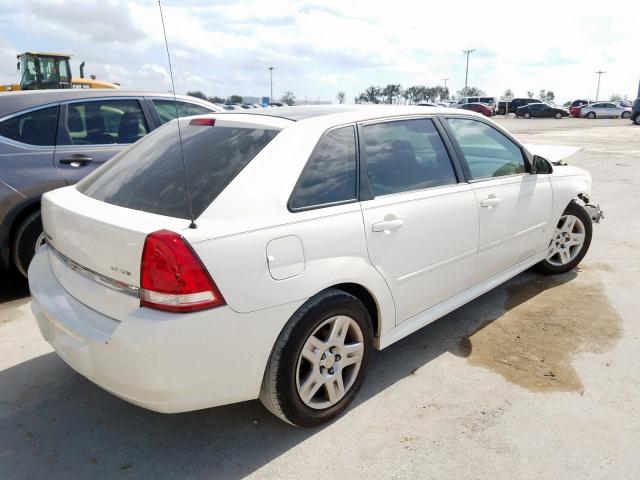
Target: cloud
225	47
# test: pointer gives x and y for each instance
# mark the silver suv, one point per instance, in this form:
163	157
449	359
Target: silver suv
53	138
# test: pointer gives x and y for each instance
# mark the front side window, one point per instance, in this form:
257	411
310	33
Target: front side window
167	109
102	122
406	155
488	152
330	173
37	127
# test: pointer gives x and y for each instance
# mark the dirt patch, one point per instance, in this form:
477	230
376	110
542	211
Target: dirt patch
547	320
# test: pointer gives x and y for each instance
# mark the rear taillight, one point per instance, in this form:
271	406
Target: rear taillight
173	278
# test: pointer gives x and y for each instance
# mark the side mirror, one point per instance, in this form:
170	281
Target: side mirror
541	165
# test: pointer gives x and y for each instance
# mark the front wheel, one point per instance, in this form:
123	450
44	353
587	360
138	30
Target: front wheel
626	114
319	361
591	115
637	119
558	115
570	242
526	115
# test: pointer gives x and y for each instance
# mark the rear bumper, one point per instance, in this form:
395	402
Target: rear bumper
160	361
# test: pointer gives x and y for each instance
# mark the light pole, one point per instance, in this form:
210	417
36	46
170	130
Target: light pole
466	75
271	84
445	87
599	73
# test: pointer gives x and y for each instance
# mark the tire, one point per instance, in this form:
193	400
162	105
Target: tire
591	115
558	115
637	119
25	241
501	111
283	383
626	115
526	115
561	243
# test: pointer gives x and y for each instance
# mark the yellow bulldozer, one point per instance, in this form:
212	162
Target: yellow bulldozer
41	71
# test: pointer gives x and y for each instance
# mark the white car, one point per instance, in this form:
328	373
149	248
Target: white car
605	109
319	234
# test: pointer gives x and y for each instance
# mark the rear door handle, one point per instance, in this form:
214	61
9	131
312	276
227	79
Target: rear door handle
387	225
76	160
490	202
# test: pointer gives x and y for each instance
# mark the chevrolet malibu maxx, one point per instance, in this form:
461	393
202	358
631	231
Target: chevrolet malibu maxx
268	253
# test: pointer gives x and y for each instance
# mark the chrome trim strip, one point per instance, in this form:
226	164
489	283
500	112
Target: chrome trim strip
92	275
512	237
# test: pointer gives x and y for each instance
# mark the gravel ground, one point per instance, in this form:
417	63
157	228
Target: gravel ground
536	379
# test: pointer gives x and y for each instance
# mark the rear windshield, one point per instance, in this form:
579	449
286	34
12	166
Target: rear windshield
150	176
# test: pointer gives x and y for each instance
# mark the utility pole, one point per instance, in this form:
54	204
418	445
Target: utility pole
445	87
599	72
466	75
271	84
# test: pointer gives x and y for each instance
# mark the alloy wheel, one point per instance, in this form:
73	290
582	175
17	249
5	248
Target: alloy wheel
567	241
329	362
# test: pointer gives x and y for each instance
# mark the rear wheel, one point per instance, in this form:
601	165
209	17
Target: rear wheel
27	239
526	115
637	119
591	115
570	242
319	361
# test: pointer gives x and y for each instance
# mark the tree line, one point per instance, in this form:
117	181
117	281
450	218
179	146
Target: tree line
288	98
394	93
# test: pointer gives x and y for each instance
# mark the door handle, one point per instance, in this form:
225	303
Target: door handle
387	225
490	202
76	160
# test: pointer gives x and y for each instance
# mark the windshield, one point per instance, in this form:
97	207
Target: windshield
43	71
150	175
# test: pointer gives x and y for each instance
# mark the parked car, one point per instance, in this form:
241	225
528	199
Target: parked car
515	104
491	101
478	107
604	110
635	112
576	107
280	293
541	110
92	126
427	104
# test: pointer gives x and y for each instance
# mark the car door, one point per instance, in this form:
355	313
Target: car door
90	132
535	110
27	142
546	110
421	223
514	207
612	110
598	109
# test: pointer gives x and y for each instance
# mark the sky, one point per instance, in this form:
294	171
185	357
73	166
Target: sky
318	48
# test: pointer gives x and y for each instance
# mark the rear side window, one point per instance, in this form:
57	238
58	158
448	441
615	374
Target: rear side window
149	176
330	173
488	152
406	155
102	122
167	109
37	127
